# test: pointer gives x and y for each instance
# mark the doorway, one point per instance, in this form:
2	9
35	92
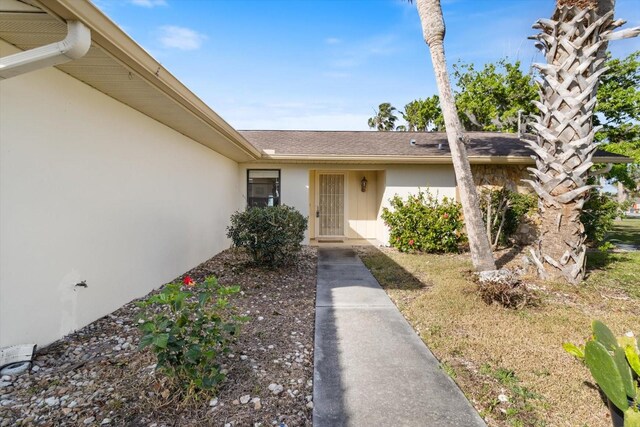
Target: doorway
330	212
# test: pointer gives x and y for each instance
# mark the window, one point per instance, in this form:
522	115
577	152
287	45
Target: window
263	187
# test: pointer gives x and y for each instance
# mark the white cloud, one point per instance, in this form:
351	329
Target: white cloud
182	38
332	40
149	3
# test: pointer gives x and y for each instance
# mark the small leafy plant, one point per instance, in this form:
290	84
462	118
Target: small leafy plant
189	326
424	223
504	210
272	234
614	364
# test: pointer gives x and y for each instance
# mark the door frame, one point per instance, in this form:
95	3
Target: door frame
345	174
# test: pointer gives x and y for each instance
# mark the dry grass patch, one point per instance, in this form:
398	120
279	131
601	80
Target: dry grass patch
510	363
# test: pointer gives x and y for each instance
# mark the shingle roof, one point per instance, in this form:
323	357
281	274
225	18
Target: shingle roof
373	143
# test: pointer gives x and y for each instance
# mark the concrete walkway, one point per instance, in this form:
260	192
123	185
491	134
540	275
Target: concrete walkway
371	369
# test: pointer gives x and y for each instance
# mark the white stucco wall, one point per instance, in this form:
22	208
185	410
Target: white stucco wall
403	180
298	190
294	186
93	190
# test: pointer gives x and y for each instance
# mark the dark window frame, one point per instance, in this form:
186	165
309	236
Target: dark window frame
279	189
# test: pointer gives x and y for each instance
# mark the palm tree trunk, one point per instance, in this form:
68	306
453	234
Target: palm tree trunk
574	41
622	193
433	29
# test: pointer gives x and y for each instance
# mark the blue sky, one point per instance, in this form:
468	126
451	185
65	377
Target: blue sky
325	64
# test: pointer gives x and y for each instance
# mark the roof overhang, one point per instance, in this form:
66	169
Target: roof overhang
426	160
120	68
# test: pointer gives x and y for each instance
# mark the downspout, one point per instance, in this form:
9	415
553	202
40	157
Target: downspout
75	45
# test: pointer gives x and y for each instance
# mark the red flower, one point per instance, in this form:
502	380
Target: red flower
445	216
188	281
411	242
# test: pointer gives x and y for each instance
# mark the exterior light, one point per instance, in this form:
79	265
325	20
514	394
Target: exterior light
363	184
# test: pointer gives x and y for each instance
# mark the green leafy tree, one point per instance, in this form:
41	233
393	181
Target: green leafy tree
385	119
423	115
619	115
489	99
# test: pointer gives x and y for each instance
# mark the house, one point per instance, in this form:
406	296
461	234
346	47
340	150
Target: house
342	180
115	178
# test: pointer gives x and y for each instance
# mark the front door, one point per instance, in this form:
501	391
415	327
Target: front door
330	199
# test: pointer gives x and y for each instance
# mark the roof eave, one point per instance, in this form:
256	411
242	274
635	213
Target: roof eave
391	159
107	35
442	160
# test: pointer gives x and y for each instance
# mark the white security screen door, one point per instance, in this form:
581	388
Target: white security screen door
331	204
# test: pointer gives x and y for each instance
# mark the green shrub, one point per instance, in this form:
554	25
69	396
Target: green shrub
508	209
598	214
189	326
424	223
272	234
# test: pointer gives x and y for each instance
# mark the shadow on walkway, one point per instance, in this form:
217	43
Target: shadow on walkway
371	369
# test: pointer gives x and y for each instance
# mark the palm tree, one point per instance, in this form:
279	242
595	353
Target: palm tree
433	30
574	42
384	120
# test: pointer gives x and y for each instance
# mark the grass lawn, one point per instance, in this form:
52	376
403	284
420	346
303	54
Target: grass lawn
510	363
626	231
618	270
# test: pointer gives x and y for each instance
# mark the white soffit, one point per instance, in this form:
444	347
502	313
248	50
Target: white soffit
22	27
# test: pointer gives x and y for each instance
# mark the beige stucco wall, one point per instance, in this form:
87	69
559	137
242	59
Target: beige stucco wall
381	229
298	187
363	209
294	186
409	179
92	190
311	204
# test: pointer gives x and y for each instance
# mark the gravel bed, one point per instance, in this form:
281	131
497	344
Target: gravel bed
96	376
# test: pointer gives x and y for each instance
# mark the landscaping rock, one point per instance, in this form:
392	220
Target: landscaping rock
257	404
52	401
276	388
96	376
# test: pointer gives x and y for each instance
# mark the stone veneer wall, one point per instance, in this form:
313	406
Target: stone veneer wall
510	176
492	176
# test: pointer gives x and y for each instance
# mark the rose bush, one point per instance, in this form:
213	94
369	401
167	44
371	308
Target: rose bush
189	326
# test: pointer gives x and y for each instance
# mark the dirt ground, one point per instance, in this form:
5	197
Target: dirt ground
96	376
